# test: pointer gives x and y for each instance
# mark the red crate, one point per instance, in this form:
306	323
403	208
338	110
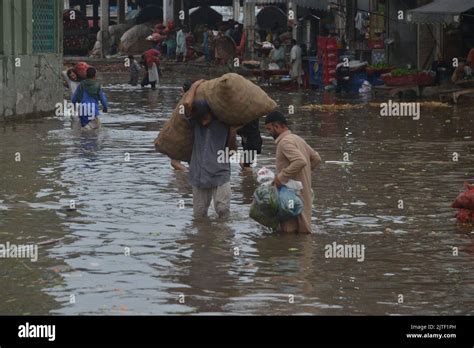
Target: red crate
400	80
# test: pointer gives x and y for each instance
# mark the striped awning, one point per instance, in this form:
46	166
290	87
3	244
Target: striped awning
440	11
315	4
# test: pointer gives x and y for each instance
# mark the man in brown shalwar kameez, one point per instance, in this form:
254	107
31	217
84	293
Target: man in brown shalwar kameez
295	159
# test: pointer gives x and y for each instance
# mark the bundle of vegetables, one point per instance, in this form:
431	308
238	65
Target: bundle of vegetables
263	219
271	205
379	68
379	65
264	208
266	197
399	72
401	77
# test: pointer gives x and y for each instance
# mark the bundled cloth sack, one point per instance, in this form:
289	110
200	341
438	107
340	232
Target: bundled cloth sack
465	205
233	99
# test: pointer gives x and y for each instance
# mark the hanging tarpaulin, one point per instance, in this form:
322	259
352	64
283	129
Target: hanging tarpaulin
271	18
440	12
204	15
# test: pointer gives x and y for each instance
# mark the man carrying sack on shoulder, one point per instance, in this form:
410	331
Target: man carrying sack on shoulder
296	160
209	177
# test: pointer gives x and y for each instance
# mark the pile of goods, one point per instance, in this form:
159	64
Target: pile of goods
271	205
399	72
134	40
251	64
408	77
233	99
379	68
76	32
464	203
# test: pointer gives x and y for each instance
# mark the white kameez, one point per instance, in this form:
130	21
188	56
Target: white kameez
296	64
153	74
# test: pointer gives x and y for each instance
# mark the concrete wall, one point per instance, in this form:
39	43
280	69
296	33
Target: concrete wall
31	90
30	84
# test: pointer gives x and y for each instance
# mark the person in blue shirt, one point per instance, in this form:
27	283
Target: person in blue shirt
88	95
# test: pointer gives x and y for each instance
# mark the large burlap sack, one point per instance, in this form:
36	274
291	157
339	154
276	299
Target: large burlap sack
133	41
116	32
224	48
176	137
235	100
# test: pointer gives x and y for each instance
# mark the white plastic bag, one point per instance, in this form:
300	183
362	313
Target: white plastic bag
265	176
365	88
273	66
294	185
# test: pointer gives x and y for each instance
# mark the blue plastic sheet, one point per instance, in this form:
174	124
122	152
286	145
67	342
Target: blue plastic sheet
290	204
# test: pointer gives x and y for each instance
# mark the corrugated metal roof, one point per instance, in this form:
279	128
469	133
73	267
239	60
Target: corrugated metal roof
440	11
316	4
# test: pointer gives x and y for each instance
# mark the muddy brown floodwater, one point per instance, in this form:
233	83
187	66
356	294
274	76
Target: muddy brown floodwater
135	204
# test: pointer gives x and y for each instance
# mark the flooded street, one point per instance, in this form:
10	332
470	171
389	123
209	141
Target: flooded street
134	204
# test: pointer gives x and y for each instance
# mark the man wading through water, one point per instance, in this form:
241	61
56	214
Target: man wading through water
295	159
209	178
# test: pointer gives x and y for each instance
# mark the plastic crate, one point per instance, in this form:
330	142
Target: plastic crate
400	80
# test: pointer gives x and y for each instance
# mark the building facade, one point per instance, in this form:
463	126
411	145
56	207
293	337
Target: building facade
30	57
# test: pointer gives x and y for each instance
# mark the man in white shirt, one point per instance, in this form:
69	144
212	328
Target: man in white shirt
296	61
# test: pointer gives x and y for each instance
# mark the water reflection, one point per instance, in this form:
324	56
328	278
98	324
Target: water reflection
236	266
